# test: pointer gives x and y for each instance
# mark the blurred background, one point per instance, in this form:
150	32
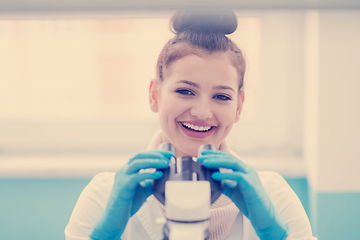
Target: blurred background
74	80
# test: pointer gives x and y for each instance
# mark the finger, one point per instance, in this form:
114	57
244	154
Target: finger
136	165
136	178
206	153
234	176
153	154
248	184
243	180
217	155
225	161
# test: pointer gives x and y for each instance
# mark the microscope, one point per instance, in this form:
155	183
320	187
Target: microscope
187	191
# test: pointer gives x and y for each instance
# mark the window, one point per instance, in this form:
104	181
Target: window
80	86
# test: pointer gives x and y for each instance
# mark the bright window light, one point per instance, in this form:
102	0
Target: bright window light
80	85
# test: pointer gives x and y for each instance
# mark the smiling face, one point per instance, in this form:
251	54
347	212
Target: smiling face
197	102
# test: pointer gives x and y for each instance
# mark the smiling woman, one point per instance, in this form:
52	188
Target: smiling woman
66	112
197	96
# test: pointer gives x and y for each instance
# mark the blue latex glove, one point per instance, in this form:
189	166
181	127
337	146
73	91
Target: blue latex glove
129	192
248	194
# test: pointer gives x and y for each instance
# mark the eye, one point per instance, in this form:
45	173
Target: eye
222	97
185	92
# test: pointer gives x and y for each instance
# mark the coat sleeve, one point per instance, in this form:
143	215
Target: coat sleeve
287	203
89	206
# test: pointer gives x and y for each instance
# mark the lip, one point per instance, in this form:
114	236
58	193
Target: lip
194	134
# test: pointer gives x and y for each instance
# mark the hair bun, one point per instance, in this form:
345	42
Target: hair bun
206	21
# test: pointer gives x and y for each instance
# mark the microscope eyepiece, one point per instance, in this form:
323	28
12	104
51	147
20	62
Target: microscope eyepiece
167	147
205	147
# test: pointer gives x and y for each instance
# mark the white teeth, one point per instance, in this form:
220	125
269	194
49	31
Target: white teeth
195	127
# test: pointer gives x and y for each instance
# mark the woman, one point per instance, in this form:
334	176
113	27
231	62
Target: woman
198	95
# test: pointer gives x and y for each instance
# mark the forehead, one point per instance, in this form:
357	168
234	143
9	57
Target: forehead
213	68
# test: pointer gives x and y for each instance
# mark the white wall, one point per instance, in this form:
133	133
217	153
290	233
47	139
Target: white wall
270	129
333	135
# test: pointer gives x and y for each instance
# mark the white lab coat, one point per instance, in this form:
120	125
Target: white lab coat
142	225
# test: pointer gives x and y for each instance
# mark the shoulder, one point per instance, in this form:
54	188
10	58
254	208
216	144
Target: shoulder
95	195
100	187
98	190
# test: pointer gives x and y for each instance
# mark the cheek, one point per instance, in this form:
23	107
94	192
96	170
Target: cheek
169	111
227	114
173	106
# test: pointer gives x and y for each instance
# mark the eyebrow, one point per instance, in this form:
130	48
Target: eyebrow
197	85
224	87
189	83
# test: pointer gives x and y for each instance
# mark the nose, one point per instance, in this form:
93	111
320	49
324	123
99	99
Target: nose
202	109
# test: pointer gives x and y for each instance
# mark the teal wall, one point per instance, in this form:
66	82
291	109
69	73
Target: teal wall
335	216
37	209
40	208
300	186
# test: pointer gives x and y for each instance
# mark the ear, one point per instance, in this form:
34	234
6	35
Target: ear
240	103
153	95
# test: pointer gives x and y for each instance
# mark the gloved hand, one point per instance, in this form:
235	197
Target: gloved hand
248	194
129	192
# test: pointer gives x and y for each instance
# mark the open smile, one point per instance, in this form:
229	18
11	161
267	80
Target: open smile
197	131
